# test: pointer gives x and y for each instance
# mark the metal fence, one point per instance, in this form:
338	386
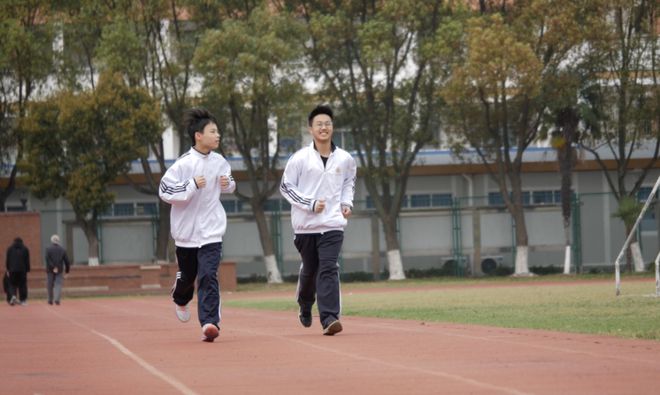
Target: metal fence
460	236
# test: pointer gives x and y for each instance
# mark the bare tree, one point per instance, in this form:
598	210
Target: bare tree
624	100
378	64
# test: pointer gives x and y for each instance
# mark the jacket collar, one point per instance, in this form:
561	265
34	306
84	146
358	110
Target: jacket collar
194	151
333	147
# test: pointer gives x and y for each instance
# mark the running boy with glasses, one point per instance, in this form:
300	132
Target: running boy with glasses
319	182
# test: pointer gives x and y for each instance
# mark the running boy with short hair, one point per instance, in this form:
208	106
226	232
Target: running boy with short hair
193	185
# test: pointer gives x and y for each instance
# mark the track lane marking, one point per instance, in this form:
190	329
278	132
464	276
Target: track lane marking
434	327
136	358
495	339
436	373
398	366
430	329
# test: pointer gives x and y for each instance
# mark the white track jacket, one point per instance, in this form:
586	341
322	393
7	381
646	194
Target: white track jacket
306	180
197	217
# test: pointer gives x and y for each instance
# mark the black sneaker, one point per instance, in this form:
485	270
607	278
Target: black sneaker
305	318
332	328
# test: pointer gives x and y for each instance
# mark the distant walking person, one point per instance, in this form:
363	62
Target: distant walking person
193	185
319	182
57	264
18	266
5	286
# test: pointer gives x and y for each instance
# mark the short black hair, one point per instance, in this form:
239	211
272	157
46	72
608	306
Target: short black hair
320	109
195	120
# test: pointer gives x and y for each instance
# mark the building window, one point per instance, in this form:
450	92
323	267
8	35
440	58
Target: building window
289	145
405	202
123	210
495	198
526	198
441	199
544	197
146	209
644	193
343	138
232	206
420	200
274	205
430	200
132	209
370	203
648	222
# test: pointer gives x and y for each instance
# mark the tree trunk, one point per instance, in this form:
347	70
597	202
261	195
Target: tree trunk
522	258
476	242
634	259
638	260
163	231
89	229
272	272
567	250
568	121
522	249
375	248
11	184
393	252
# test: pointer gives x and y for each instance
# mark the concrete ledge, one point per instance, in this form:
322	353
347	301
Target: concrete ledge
109	279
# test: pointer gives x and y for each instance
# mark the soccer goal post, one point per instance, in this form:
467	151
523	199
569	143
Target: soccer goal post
657	275
619	258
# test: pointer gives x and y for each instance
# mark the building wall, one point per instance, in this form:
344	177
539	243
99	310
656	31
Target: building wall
27	226
425	234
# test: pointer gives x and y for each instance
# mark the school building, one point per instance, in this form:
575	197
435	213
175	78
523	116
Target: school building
453	211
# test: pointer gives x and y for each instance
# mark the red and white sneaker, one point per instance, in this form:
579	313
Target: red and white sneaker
210	332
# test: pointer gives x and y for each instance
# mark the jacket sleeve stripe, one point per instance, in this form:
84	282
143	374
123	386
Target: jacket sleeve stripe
172	190
293	195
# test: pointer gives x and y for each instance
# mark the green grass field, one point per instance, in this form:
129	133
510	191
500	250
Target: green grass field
584	304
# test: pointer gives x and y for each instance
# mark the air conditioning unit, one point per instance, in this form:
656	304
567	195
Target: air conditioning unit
490	263
450	267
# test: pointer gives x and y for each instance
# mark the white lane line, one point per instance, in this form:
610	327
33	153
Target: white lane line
433	327
144	364
397	366
359	357
436	327
505	340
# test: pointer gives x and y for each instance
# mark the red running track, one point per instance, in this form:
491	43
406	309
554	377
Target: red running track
136	346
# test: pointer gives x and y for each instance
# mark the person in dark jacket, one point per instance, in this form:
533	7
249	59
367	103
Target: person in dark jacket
18	266
5	286
57	264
